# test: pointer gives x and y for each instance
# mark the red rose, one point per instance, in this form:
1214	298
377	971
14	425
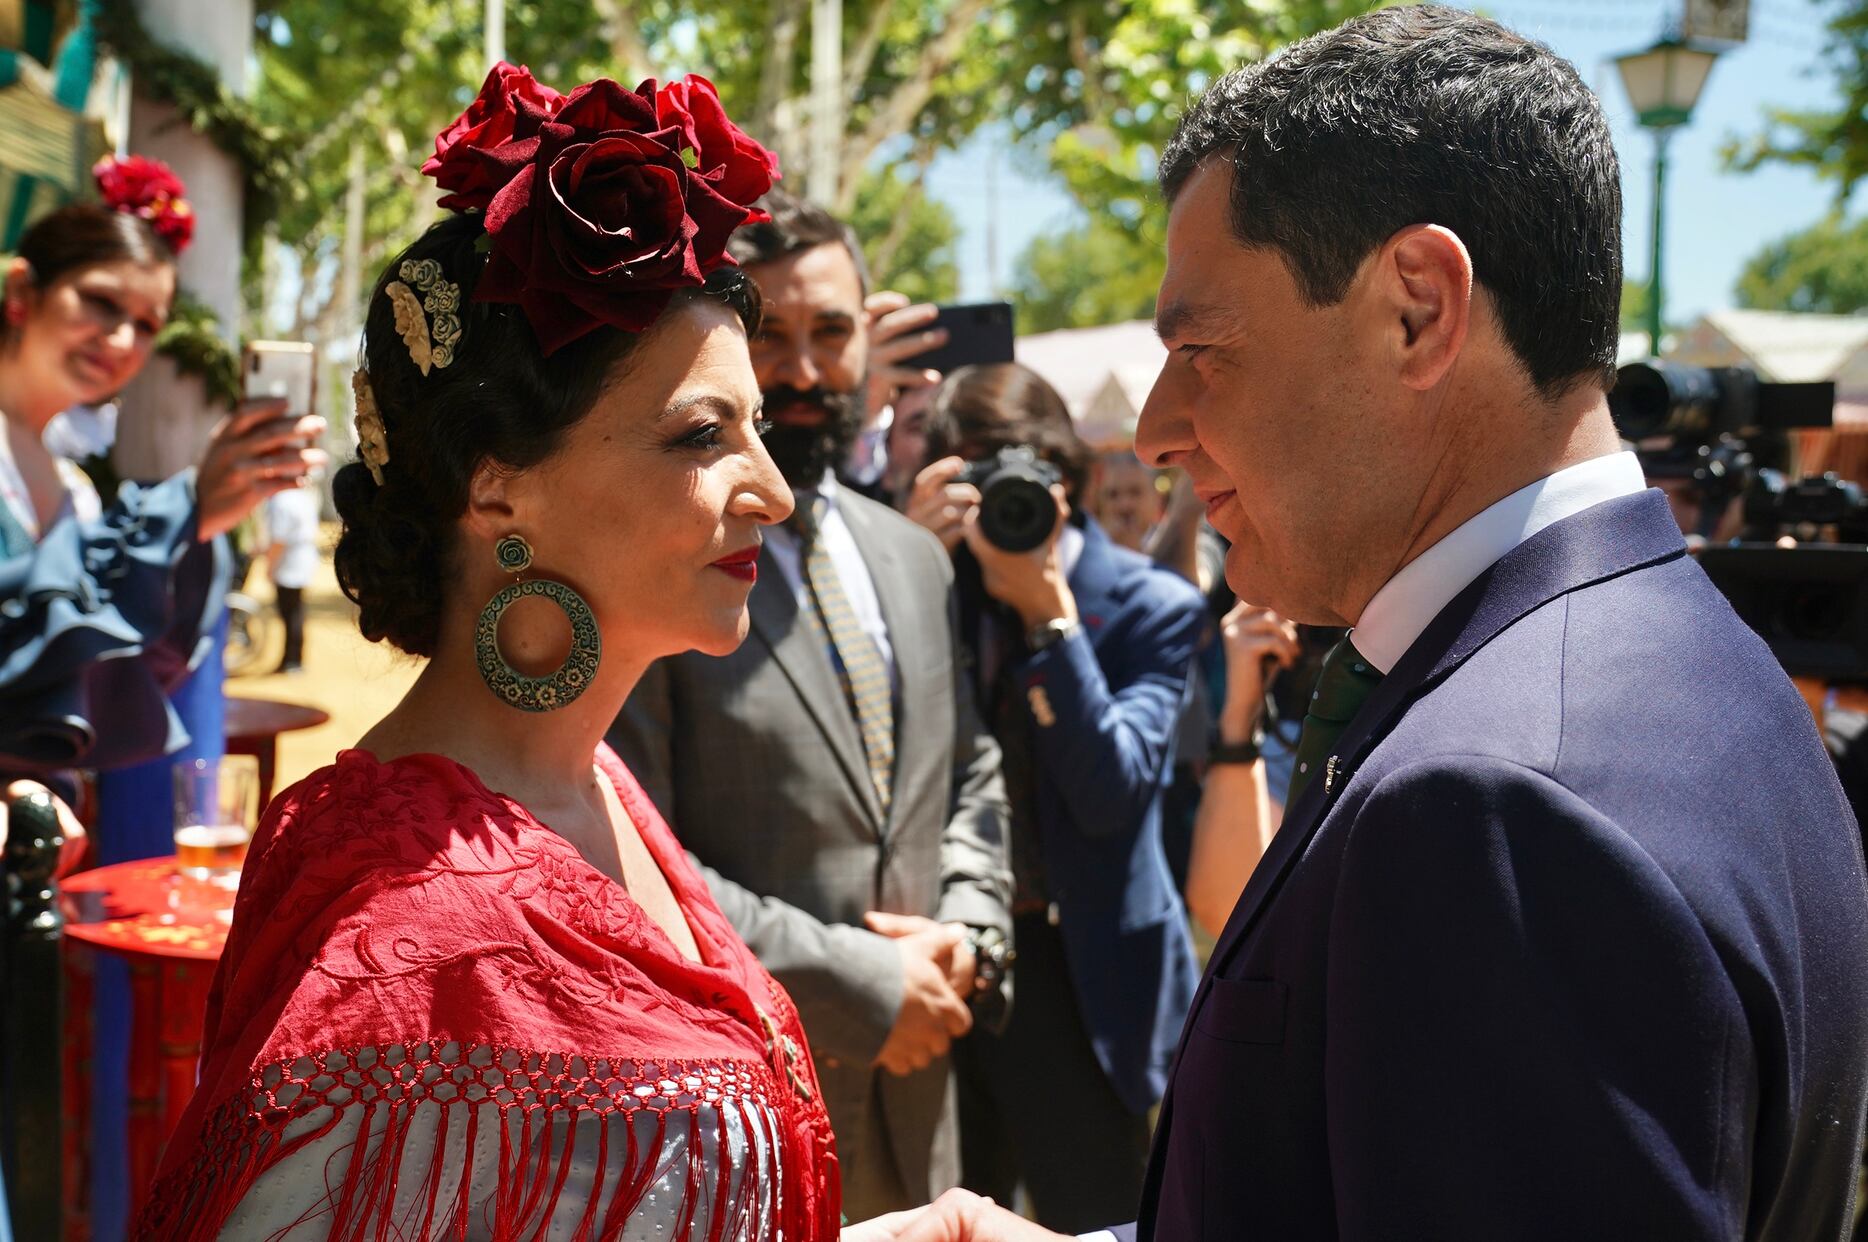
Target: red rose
149	189
604	202
510	102
736	166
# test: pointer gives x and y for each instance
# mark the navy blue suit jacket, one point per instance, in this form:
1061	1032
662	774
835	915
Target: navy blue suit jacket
1103	706
1573	945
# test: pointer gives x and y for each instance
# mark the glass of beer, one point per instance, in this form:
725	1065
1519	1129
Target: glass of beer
214	815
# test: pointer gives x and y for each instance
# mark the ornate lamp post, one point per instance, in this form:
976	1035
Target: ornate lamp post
1663	84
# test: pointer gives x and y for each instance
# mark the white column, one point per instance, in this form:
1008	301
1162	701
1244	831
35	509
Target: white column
166	418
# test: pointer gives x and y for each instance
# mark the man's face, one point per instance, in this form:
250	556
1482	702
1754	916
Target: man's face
1283	415
809	355
1127	503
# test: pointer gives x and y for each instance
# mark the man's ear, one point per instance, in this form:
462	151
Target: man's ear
1427	278
491	514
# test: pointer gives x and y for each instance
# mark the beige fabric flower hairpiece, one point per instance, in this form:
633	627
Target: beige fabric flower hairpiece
372	437
440	301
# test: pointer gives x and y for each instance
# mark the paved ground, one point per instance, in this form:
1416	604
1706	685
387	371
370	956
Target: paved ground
356	681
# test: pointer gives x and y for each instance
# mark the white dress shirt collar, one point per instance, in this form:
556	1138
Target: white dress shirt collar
1402	609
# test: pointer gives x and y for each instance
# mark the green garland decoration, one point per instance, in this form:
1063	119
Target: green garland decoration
196	91
192	340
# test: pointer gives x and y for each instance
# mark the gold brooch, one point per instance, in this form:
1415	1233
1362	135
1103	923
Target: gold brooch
440	302
783	1049
372	437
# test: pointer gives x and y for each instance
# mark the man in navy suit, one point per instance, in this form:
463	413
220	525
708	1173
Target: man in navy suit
1080	655
1566	933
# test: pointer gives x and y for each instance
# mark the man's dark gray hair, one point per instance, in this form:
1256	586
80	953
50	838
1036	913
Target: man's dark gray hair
1428	115
796	224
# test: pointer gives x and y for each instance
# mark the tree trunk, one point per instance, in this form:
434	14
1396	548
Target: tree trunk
778	112
630	54
898	111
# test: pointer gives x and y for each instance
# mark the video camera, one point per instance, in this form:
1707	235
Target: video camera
1716	426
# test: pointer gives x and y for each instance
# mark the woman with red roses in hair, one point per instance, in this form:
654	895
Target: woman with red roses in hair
103	608
473	988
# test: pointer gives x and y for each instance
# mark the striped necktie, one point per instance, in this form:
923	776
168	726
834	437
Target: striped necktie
859	664
1344	685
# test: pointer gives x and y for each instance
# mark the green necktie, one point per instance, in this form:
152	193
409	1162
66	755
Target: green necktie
859	664
1344	685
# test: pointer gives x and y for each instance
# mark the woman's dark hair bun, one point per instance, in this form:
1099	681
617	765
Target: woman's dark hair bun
498	399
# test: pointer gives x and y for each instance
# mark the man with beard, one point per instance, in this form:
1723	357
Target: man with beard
832	776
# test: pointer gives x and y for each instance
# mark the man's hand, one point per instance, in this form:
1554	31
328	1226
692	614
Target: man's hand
942	505
957	1216
1030	583
1258	643
898	331
254	453
933	1014
964	966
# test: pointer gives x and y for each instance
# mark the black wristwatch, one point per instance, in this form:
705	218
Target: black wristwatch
1236	752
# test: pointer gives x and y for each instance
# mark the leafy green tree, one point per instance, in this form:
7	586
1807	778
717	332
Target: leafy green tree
1096	273
1098	84
1835	143
1822	269
908	238
1104	86
1635	302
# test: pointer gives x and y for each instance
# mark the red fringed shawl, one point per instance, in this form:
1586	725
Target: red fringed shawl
416	957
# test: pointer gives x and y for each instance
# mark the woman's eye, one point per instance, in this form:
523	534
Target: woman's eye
761	427
703	437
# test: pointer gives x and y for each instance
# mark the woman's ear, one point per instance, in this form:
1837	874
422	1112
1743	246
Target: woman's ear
489	513
19	288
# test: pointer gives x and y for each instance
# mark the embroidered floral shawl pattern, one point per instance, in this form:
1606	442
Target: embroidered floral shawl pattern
405	937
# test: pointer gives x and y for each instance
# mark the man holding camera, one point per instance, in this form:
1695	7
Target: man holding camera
1081	656
832	776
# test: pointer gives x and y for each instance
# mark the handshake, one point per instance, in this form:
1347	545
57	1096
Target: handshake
957	1216
938	976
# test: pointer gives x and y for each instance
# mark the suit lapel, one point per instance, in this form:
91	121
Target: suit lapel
798	647
1608	539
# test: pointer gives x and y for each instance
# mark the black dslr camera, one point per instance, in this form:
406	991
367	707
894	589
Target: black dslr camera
1016	510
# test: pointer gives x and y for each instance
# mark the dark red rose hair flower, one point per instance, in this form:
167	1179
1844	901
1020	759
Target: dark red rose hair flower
150	189
601	203
488	121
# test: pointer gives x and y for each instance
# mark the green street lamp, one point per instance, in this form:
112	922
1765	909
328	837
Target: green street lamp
1663	84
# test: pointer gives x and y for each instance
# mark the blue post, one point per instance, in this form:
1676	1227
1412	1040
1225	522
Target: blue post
135	820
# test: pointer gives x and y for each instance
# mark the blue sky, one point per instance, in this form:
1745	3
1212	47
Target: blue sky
1715	219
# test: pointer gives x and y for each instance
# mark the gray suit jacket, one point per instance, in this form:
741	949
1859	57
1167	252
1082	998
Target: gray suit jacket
756	761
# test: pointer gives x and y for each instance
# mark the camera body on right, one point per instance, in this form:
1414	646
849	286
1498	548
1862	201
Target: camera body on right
1016	509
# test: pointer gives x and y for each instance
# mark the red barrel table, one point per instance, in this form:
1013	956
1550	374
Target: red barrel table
132	910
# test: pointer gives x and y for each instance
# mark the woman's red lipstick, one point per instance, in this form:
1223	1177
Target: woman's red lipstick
743	564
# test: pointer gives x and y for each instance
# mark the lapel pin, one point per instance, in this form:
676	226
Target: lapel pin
1329	774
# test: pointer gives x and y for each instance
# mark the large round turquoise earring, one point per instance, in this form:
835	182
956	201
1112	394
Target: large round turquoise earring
536	694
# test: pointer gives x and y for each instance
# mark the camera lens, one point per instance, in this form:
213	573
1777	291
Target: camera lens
1016	513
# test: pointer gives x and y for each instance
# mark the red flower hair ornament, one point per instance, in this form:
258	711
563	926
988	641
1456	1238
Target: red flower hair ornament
150	189
601	203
